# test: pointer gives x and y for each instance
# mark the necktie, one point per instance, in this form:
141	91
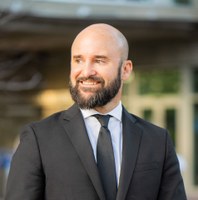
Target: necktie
105	158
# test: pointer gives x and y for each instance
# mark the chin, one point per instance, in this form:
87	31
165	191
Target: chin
86	95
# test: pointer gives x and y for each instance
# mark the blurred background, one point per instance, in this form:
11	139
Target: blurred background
35	40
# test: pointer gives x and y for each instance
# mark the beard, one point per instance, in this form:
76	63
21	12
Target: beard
100	96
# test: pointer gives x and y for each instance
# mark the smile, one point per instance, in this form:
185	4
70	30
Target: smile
89	83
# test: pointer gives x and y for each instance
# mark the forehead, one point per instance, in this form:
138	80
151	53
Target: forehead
98	42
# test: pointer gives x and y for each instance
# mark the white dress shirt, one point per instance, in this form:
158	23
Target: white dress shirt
115	127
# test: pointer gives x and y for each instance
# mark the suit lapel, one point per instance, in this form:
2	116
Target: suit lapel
75	128
131	142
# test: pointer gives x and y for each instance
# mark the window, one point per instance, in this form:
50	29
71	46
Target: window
148	115
170	120
195	80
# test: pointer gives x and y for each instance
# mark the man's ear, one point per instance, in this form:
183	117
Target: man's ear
127	68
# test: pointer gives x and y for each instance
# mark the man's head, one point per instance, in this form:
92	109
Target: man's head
99	66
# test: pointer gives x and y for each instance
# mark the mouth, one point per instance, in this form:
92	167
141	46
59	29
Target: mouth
89	83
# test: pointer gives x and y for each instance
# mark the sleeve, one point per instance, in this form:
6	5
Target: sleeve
26	177
172	186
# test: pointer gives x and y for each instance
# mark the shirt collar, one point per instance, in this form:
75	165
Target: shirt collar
116	112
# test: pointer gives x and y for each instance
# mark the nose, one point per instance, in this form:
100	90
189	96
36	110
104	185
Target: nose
88	69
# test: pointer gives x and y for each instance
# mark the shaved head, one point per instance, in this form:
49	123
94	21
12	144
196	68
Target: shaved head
99	65
105	31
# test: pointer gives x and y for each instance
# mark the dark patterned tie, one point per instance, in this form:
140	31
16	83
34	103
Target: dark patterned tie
105	158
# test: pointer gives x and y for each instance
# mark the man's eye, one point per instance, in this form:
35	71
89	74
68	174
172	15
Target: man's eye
77	60
100	61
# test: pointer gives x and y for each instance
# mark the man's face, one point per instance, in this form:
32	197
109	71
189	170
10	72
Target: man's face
95	77
99	96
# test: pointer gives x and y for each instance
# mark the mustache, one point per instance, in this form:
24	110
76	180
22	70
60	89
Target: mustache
90	78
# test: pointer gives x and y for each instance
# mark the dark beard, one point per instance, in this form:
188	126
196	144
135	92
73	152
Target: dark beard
101	96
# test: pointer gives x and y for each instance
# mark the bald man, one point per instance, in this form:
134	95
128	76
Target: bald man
95	150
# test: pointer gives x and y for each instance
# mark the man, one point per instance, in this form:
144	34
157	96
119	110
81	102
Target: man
63	157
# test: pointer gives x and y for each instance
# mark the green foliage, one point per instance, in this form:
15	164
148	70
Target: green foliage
159	82
183	1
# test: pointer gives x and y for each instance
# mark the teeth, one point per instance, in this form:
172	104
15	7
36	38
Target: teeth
89	83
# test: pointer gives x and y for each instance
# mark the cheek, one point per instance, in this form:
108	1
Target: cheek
74	73
109	79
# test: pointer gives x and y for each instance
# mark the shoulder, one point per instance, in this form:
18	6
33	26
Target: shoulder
55	119
152	135
148	130
53	123
141	123
47	122
146	125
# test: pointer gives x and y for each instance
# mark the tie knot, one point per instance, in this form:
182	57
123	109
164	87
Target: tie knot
103	119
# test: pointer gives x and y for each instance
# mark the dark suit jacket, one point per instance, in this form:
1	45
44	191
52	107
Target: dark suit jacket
54	161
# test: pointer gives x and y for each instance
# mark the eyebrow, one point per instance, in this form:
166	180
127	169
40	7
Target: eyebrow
101	57
77	56
97	56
